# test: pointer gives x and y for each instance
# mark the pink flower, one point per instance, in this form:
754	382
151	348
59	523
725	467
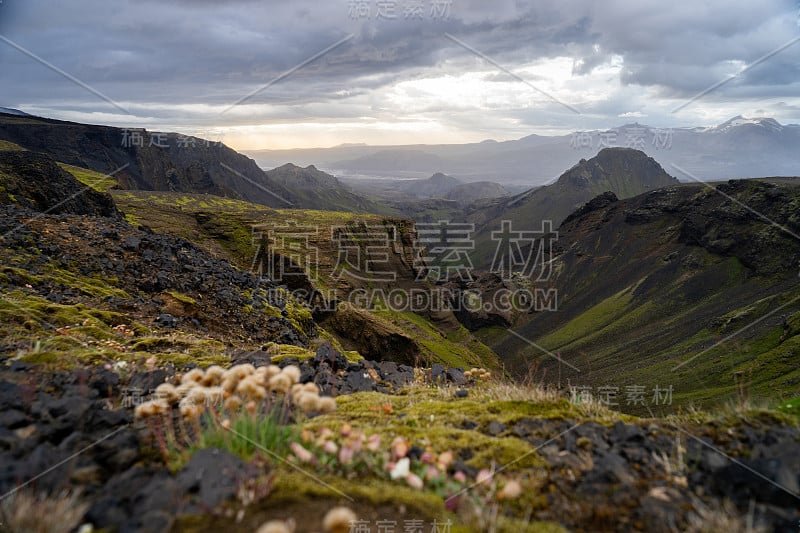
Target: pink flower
356	442
374	443
460	476
445	459
303	455
346	454
414	481
400	447
484	477
330	447
511	491
431	473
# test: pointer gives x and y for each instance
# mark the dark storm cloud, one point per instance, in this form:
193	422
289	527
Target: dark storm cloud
213	52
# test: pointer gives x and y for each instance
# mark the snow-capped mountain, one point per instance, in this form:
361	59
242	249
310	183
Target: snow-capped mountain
737	121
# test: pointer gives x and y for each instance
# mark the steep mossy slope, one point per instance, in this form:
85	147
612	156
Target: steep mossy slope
692	287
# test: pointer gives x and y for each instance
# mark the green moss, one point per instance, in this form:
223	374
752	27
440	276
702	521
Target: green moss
288	351
183	298
8	146
90	178
181	348
790	406
291	485
426	419
97	286
295	311
457	348
591	321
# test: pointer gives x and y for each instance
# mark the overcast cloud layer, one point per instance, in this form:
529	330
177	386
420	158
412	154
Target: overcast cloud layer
178	65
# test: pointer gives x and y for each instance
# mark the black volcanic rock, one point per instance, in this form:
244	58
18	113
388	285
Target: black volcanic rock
598	202
34	180
474	300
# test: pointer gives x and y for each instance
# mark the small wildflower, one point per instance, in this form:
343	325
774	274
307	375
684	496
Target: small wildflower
213	376
330	447
276	526
168	392
432	473
401	469
484	477
374	442
190	410
445	459
195	375
346	454
339	520
302	454
292	372
400	447
511	491
280	383
326	405
233	403
414	481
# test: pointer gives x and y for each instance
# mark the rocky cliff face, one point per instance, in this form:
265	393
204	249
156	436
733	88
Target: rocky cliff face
35	181
147	160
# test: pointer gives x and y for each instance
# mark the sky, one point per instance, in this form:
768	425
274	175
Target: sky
261	74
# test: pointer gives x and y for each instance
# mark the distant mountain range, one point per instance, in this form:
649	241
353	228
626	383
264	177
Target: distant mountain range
154	161
738	148
437	187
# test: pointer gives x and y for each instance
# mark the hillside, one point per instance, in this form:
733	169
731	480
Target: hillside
623	171
142	160
468	193
149	384
313	189
437	186
309	254
655	290
22	174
